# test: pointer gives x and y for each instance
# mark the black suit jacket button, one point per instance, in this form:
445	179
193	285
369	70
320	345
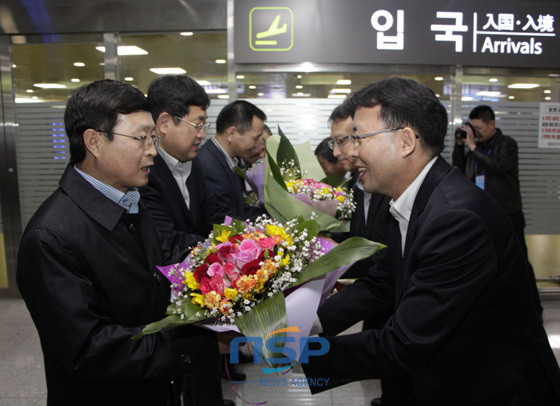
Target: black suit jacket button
185	358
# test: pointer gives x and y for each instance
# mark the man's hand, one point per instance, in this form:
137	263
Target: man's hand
470	140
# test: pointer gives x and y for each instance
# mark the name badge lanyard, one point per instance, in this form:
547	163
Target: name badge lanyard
479	178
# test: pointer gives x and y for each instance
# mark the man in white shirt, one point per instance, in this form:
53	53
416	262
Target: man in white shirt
465	328
180	204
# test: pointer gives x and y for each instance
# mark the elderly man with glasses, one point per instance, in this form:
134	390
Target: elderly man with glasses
464	328
87	264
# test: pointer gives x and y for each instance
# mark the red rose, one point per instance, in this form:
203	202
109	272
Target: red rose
205	286
236	239
200	273
213	257
251	268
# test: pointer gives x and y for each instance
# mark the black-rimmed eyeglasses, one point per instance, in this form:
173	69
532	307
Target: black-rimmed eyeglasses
154	139
200	127
355	139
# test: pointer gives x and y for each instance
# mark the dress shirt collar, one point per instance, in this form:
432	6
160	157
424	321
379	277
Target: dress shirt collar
128	200
232	162
182	169
401	208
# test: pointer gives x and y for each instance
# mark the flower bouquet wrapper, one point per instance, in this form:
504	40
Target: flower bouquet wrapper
255	176
272	311
282	205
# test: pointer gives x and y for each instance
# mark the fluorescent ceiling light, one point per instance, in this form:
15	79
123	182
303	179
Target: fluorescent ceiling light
221	61
126	50
547	91
223	96
336	96
29	90
24	100
129	79
493	80
75	80
344	82
260	94
49	85
168	71
240	76
216	91
301	94
490	94
203	82
466	98
511	97
345	91
79	64
299	86
523	86
548	98
187	34
252	87
438	78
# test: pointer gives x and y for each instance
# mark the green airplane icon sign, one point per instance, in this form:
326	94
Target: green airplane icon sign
271	29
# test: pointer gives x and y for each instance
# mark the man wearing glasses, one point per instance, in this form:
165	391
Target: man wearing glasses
371	218
239	128
180	204
465	328
87	264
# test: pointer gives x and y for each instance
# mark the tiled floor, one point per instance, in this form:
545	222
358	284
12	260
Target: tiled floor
22	381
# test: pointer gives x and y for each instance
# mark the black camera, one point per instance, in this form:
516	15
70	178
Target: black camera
462	134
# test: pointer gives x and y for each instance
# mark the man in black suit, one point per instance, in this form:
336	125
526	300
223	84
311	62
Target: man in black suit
180	204
87	264
239	127
465	328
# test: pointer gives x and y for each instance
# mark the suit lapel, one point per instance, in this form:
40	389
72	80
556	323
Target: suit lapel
170	188
233	178
434	176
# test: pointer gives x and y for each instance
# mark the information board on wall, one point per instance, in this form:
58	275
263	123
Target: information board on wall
476	33
549	125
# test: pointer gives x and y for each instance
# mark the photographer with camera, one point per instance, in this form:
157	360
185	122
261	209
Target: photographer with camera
490	160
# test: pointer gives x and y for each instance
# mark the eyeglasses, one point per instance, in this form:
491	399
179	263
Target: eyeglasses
355	139
199	127
338	142
154	139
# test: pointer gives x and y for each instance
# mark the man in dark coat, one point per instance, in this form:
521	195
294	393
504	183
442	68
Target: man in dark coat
239	128
465	328
87	264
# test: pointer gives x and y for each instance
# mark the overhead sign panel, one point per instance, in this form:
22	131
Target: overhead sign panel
476	33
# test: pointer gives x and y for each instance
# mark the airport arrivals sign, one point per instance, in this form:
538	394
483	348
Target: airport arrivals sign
471	33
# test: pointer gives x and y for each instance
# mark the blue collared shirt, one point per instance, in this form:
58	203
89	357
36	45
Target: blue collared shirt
128	200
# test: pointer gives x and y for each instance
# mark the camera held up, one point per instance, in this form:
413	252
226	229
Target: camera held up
462	134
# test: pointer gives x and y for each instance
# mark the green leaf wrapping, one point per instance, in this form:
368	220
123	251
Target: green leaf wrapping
265	318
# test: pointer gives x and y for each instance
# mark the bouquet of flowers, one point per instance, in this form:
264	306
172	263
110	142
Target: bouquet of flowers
291	187
241	274
331	200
